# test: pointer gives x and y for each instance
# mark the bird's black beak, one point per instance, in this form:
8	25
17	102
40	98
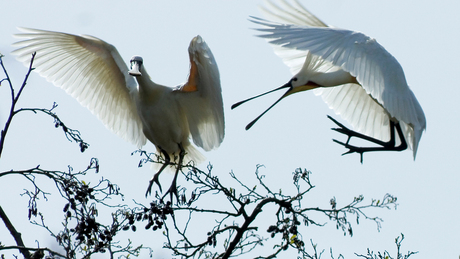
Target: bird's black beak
135	68
287	85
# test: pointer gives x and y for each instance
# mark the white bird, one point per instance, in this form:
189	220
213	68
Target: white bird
93	72
353	73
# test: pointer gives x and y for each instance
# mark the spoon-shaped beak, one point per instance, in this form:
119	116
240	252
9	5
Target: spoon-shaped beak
287	85
135	68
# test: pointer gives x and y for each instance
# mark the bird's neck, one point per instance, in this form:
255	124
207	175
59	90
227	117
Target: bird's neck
148	90
329	79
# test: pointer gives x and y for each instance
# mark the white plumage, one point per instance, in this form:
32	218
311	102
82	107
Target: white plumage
93	72
353	73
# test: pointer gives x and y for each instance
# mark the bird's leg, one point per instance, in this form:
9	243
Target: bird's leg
173	188
385	146
157	175
350	133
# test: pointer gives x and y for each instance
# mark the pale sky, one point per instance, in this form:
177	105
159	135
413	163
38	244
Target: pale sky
422	35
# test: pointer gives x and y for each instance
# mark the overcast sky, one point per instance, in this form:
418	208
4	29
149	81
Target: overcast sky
422	35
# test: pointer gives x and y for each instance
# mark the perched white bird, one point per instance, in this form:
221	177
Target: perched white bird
93	72
353	73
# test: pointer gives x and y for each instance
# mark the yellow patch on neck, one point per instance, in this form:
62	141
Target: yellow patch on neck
309	86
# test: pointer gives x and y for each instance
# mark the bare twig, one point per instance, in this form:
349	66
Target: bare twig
52	252
386	255
16	235
246	207
14	99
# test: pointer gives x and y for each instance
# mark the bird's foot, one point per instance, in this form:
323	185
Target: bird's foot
172	191
351	133
156	180
346	131
381	145
352	149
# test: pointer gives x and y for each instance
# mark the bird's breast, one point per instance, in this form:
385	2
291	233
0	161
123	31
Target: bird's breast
164	124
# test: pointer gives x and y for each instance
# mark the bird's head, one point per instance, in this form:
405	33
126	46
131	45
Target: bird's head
136	66
298	83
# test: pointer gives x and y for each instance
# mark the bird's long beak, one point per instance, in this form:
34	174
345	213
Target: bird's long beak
288	92
135	68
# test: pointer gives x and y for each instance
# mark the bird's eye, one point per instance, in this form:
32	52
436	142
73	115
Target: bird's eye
294	79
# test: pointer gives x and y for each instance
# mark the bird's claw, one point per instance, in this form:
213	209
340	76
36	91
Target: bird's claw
344	130
336	122
172	191
351	149
173	188
149	189
350	133
381	145
156	180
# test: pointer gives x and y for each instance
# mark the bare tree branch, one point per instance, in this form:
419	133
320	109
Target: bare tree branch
386	254
245	207
233	229
14	99
16	235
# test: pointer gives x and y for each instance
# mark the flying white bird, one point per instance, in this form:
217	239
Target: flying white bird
353	73
93	72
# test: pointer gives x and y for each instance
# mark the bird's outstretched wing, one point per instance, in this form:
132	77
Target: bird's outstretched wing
291	14
90	70
201	97
378	72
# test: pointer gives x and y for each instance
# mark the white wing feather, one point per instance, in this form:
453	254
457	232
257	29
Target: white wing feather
381	76
90	70
291	14
204	107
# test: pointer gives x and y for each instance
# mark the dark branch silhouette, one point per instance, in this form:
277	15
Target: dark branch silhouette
236	231
232	230
82	234
386	254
